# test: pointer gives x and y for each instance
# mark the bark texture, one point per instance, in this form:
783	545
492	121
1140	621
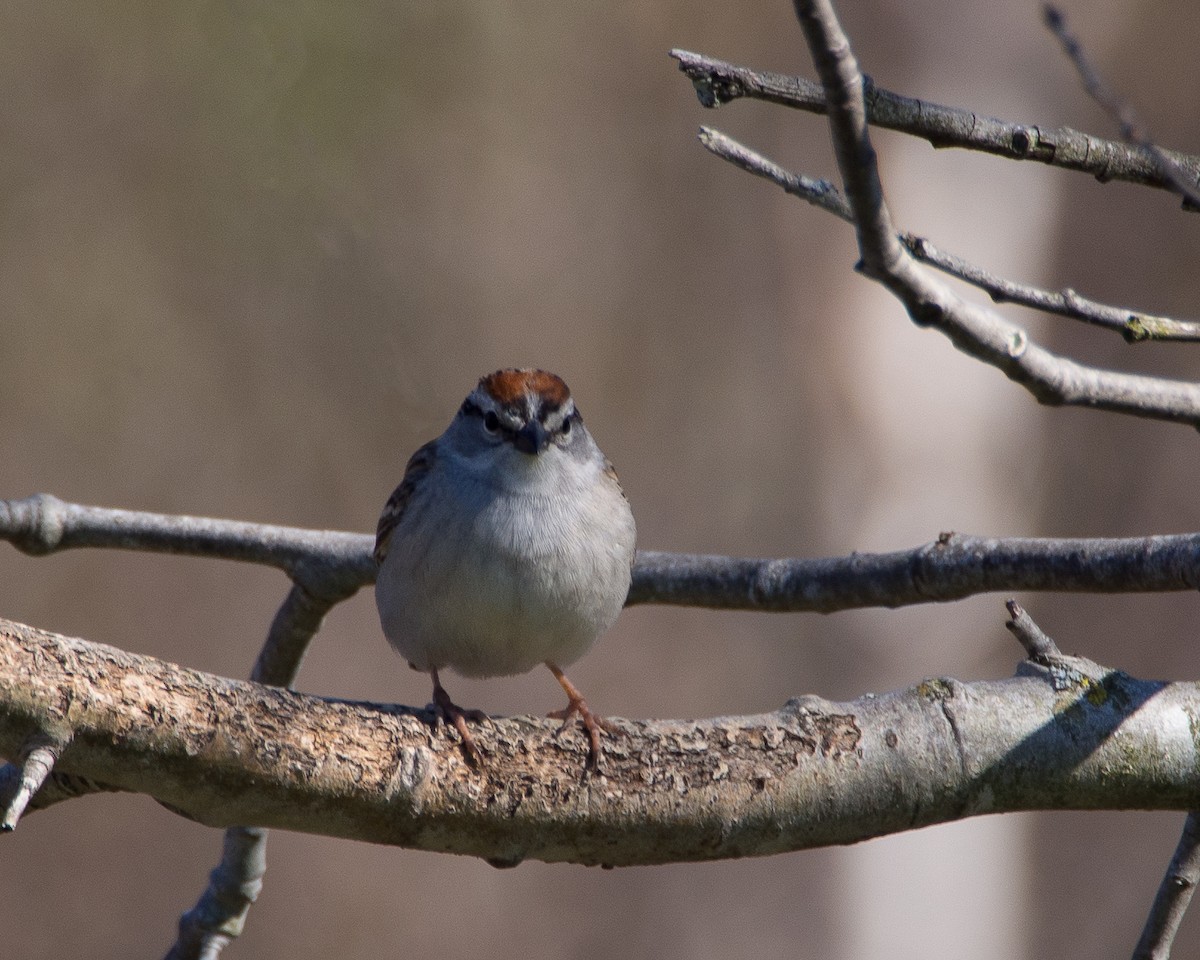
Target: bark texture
1064	733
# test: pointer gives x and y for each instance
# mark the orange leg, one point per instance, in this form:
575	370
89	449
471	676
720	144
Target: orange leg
455	715
577	705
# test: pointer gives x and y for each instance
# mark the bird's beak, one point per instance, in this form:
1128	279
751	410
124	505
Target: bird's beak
532	438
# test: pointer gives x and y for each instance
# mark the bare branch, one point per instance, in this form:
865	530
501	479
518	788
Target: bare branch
296	623
718	82
813	773
975	330
952	567
44	524
1036	643
1134	326
820	193
1173	896
233	886
1182	177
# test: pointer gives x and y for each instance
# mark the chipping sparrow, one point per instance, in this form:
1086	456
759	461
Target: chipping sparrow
509	543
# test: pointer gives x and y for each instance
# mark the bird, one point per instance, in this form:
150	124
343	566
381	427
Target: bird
509	543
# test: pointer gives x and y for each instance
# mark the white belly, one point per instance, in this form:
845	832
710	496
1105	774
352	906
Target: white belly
499	583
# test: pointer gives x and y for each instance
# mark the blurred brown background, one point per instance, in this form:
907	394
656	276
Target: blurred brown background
253	253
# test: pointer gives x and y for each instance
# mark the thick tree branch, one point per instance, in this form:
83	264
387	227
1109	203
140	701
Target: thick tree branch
718	82
1067	735
234	884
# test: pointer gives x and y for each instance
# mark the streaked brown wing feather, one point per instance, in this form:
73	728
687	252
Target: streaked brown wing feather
419	464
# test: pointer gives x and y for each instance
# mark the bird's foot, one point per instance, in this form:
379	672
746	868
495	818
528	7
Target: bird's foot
577	706
452	714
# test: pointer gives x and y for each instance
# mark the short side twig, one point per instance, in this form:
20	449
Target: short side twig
1173	896
35	761
1036	643
1181	177
56	788
718	82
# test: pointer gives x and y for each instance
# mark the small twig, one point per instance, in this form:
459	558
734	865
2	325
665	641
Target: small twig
35	761
56	788
983	334
1173	896
1036	643
718	82
1134	326
820	193
1182	179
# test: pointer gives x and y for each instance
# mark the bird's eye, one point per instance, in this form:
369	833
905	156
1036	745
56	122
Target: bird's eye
566	427
491	422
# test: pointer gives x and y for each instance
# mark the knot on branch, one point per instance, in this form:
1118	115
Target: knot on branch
36	523
713	85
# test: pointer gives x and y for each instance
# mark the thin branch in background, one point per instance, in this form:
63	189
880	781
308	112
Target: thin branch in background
1036	643
234	884
1051	378
1173	896
717	82
820	193
1182	176
977	331
1134	326
34	763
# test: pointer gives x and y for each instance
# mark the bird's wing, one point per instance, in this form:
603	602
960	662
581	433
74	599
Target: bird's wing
419	464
